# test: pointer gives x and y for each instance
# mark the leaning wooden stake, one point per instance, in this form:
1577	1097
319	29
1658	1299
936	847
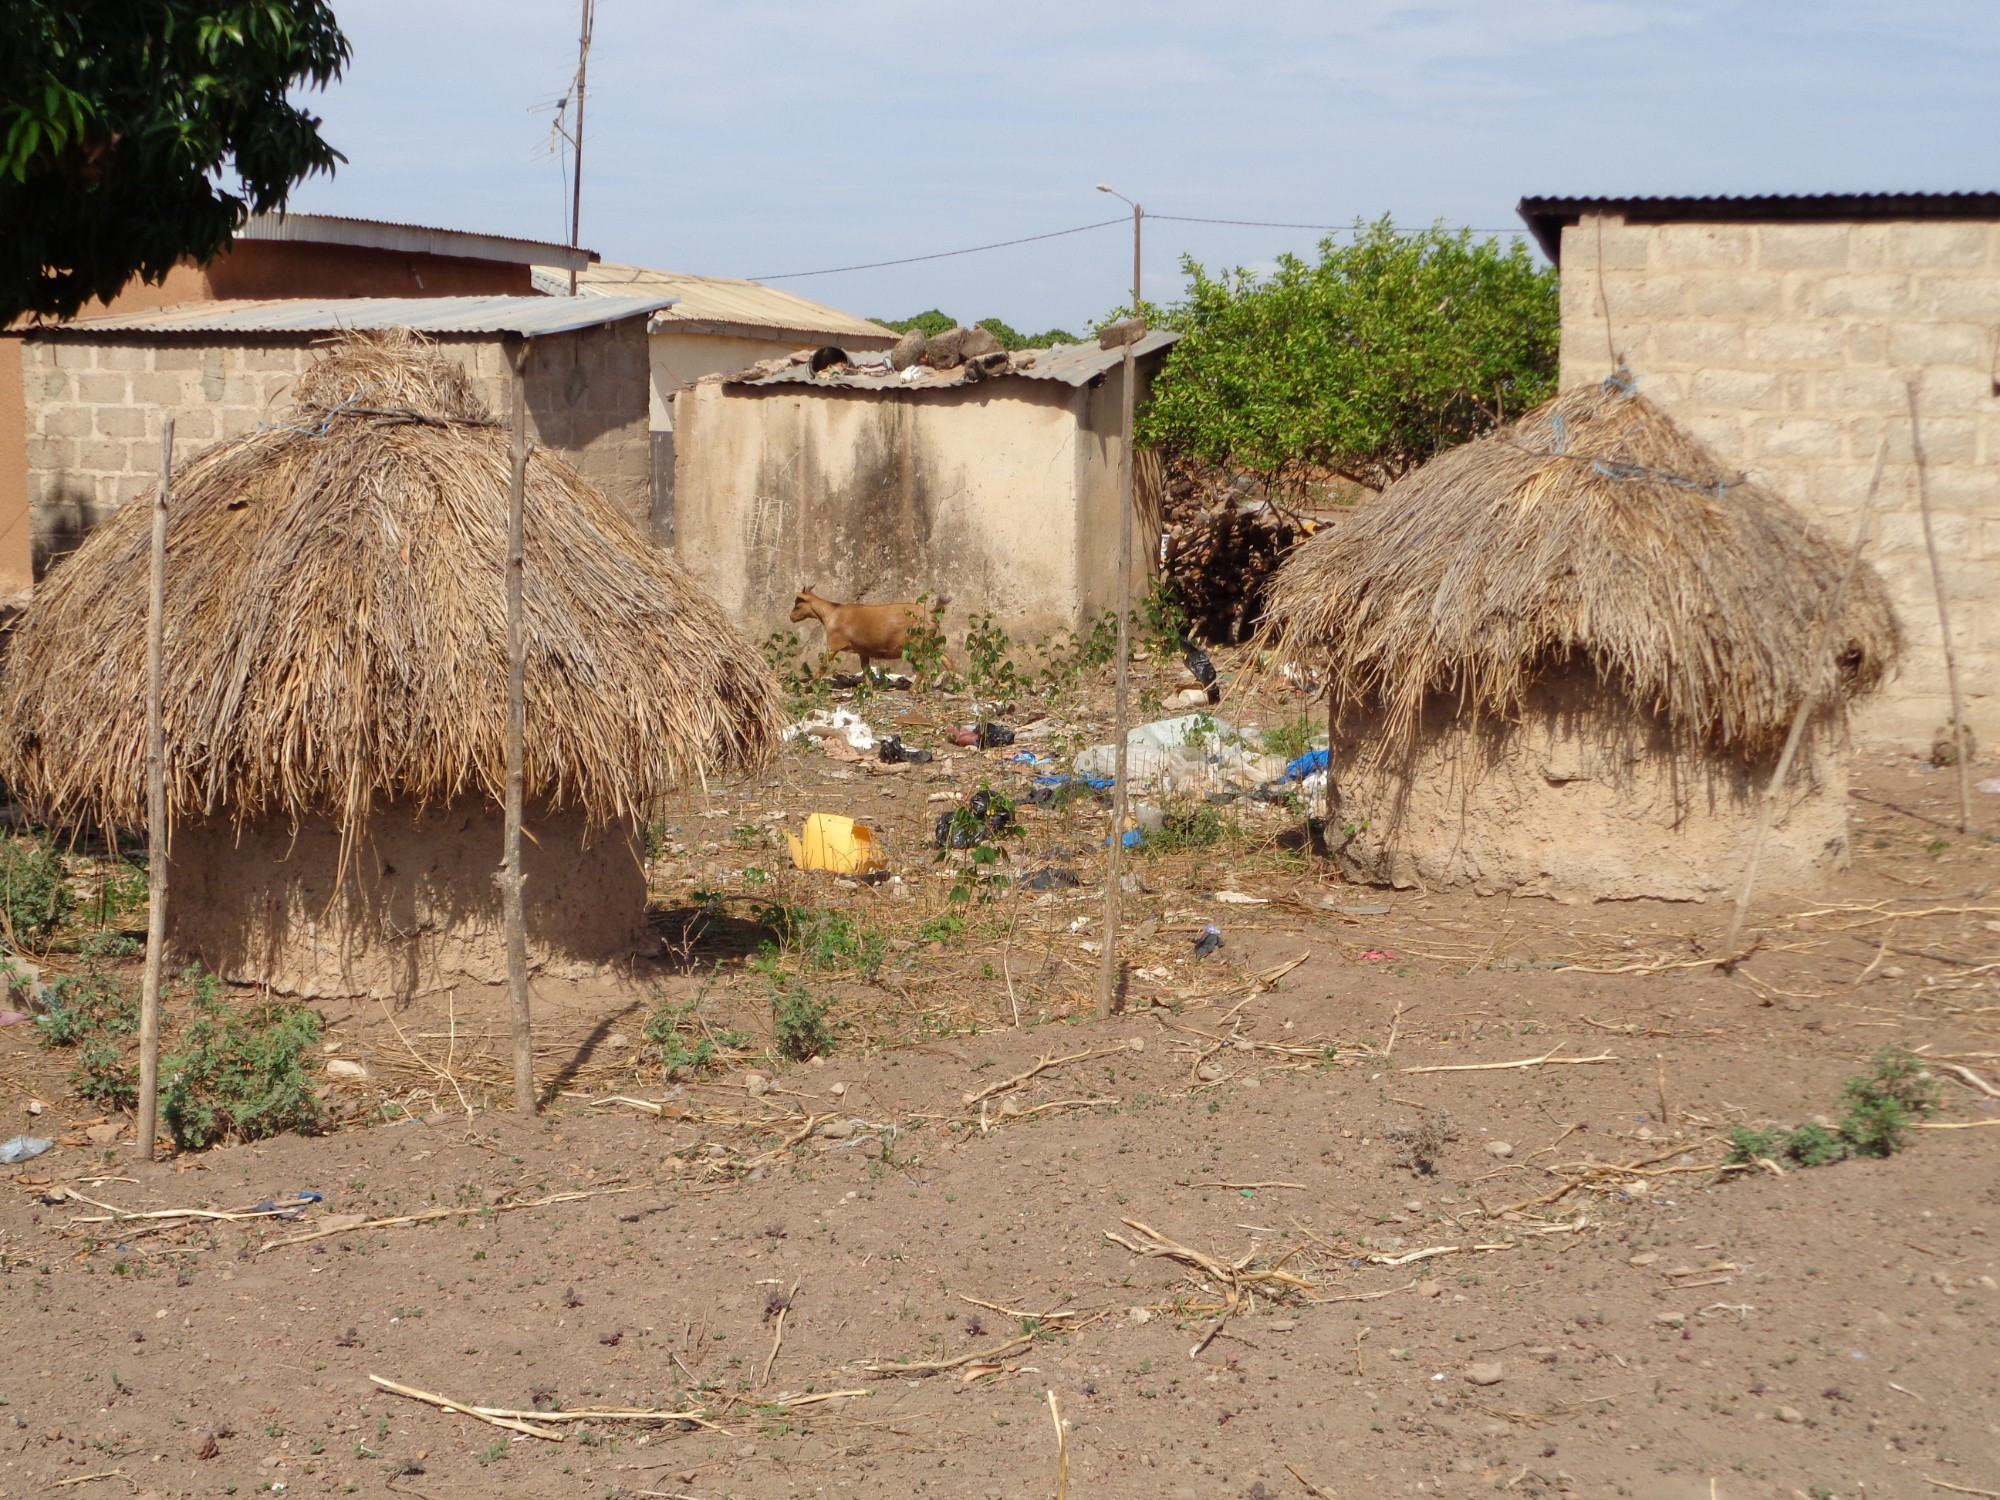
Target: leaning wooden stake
1107	963
1815	682
511	879
1961	737
156	811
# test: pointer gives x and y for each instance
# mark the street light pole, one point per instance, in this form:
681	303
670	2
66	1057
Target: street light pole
1108	967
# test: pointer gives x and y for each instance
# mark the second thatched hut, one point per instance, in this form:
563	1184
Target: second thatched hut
1562	660
336	691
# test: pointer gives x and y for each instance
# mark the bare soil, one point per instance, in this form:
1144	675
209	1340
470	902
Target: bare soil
1535	1279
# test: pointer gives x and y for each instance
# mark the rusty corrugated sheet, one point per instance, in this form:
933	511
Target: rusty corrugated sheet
527	316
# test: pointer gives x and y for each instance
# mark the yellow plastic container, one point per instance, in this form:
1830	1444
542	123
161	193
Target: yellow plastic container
841	845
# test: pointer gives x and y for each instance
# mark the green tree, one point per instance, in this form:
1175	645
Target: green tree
120	120
1384	352
933	323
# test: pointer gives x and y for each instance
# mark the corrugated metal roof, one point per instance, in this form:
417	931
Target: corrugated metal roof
527	316
413	239
1546	217
725	304
1071	364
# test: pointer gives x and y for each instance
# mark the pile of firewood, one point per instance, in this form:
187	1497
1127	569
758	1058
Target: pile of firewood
1223	535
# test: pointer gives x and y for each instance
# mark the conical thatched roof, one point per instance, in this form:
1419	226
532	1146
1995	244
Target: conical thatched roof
1592	530
336	626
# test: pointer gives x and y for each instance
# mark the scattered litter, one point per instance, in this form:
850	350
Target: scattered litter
21	1148
989	819
892	751
1990	784
991	736
1193	697
1052	878
1194	753
1209	941
840	845
831	723
342	1067
1240	898
1369	909
1377	956
14	1018
1301	767
1199	664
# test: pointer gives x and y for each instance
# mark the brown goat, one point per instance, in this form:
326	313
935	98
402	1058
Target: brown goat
873	632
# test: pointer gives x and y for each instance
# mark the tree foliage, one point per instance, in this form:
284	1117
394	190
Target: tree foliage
1382	353
933	323
119	120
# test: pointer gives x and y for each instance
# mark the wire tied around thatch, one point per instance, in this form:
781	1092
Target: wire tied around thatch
1591	532
336	626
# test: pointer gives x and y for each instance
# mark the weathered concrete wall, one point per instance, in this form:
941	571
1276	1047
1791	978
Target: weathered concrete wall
968	493
415	910
1787	348
95	408
1002	496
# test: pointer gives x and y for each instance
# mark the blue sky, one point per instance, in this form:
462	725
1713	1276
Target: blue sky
770	136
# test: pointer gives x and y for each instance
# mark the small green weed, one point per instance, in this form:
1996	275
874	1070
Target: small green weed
990	673
924	646
34	892
679	1042
1881	1104
1188	825
801	1022
1291	739
240	1074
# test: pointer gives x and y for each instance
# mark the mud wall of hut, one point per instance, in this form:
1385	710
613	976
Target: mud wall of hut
95	406
1001	496
1786	347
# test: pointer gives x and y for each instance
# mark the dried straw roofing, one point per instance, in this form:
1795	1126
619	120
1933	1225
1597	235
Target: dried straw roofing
1593	530
336	626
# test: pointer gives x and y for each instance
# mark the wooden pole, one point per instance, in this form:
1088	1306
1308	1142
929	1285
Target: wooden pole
1961	737
1107	963
156	811
576	183
1815	683
511	878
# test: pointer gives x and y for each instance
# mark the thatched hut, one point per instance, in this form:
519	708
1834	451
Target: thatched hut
1563	659
335	674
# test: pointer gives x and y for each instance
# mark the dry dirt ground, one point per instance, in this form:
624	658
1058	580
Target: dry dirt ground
1209	1243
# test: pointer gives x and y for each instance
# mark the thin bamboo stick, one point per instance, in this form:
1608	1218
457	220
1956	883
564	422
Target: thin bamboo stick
517	657
156	810
1961	739
1107	966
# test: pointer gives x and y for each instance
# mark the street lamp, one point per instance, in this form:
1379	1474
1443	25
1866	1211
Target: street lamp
1108	968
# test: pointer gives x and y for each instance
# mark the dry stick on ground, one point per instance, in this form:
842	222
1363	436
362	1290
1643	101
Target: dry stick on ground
777	1338
461	1211
1525	1062
1961	747
511	878
1817	667
1964	1075
938	1366
1961	1489
1311	1488
1042	1066
1055	1412
431	1398
156	811
1238	1278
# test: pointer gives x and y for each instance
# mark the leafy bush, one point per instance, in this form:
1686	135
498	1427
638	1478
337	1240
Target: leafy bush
1880	1106
240	1074
801	1022
1366	363
924	645
990	672
34	891
807	685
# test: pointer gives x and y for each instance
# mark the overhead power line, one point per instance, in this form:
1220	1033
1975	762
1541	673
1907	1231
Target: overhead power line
1056	234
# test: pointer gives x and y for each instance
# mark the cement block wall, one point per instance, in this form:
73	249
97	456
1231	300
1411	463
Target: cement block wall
95	409
1787	347
1000	496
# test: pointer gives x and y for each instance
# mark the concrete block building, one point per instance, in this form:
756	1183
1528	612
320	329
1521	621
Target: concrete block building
97	392
1789	333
